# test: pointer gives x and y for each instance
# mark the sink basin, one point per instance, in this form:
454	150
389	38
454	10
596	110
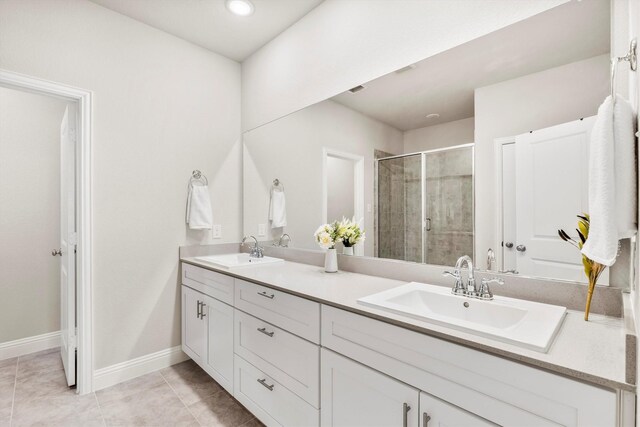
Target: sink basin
237	260
526	324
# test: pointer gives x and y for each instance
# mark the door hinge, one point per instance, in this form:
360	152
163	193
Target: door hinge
73	238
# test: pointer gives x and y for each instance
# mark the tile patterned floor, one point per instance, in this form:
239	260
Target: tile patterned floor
33	392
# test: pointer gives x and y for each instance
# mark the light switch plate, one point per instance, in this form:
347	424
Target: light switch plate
262	230
217	231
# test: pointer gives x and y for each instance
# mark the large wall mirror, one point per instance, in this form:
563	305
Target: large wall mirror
480	150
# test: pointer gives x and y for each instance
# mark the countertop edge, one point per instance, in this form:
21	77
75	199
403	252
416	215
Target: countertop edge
550	367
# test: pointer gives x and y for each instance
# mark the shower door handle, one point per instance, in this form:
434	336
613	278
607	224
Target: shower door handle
427	224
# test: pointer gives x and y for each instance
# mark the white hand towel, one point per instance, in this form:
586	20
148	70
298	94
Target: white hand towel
199	216
612	181
278	210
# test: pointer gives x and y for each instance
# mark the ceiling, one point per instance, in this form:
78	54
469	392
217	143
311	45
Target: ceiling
210	25
445	83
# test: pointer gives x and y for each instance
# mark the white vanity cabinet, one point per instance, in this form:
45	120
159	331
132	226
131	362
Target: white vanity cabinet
218	361
194	337
294	362
354	395
207	322
494	389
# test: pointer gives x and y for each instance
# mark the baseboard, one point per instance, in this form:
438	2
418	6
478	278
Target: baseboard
29	345
115	374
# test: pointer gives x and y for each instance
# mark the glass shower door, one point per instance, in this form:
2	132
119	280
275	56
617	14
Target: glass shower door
448	205
400	208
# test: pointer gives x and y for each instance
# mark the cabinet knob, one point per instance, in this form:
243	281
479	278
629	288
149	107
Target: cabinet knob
56	252
509	245
521	248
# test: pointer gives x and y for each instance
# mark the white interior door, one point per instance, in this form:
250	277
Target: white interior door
551	189
509	261
68	243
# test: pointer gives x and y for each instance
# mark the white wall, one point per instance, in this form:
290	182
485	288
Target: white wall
290	149
29	214
439	136
536	101
162	107
343	43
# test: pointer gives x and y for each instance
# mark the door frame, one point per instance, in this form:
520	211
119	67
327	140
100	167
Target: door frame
358	190
498	143
84	285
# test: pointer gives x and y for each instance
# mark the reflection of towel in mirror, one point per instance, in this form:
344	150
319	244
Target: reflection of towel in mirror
277	210
612	181
199	216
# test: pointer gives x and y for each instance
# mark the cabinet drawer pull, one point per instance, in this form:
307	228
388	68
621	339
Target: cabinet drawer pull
266	295
425	419
202	313
264	383
199	310
405	412
264	331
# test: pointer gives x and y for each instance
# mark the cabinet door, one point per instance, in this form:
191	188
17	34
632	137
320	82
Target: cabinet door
353	395
219	356
193	325
438	413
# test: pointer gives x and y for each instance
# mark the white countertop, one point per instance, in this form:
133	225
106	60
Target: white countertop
592	351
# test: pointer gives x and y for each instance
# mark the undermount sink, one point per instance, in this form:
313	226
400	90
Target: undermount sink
237	260
526	324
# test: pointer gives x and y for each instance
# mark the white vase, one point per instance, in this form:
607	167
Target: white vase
331	261
347	250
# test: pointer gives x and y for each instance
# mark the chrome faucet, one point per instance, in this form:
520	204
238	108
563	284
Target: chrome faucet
471	280
469	289
279	244
256	251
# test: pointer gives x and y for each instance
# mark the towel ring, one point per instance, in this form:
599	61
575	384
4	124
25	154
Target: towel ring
631	57
197	176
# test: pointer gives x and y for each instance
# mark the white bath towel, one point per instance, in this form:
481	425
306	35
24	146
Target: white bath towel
199	216
278	209
612	181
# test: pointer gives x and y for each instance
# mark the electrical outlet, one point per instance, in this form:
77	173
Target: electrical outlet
262	230
217	231
369	207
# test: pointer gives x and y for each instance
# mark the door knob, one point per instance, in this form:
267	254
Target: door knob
56	252
521	248
509	245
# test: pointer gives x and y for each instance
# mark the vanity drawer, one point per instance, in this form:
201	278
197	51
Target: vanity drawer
209	282
503	390
270	401
290	360
293	314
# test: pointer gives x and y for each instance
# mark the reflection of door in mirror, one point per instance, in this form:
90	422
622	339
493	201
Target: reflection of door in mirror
544	186
344	188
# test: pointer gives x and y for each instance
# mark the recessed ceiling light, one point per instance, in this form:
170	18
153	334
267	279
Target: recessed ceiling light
433	116
240	7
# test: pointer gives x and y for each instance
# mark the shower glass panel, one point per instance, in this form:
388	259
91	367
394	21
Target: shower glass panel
425	206
400	208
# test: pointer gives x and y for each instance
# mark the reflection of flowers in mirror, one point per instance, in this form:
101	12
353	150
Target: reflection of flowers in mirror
350	232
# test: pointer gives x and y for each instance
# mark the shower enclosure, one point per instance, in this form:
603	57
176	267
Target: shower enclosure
425	205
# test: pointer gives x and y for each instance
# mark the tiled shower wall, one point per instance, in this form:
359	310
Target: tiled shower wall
449	206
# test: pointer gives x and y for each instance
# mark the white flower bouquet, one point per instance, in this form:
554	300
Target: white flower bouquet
327	235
